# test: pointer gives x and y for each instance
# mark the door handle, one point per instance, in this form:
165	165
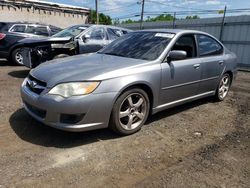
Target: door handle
221	62
196	66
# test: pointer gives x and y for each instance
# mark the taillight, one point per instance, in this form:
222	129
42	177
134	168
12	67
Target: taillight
2	35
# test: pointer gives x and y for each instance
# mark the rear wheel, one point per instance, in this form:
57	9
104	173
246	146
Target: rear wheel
223	87
16	57
130	112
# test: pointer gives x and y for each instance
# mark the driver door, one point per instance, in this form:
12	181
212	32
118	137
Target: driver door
180	78
92	41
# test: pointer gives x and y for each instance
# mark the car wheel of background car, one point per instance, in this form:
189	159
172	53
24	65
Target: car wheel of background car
130	111
60	56
16	57
223	88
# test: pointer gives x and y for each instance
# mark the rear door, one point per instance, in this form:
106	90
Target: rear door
93	40
13	33
212	62
180	78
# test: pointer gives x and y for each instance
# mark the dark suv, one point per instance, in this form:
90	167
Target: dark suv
11	32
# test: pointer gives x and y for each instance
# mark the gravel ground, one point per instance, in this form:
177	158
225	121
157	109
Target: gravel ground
199	144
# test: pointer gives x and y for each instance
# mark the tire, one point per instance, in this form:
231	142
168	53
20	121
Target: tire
60	56
223	87
16	57
130	111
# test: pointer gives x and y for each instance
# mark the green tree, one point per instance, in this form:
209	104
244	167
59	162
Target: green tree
192	17
162	17
103	19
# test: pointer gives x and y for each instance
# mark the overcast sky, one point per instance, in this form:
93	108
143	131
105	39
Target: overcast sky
119	8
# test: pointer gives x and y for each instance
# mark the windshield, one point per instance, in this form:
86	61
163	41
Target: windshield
71	31
139	45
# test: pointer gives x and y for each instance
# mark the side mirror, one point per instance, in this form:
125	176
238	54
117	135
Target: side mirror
85	37
176	55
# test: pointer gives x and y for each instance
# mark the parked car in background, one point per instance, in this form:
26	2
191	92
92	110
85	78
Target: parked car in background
78	39
140	73
11	32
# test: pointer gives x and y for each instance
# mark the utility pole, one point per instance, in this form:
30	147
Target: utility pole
174	20
96	9
142	12
222	23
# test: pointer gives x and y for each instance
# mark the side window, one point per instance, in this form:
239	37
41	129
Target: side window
96	34
186	43
54	30
112	34
208	46
40	30
37	30
18	28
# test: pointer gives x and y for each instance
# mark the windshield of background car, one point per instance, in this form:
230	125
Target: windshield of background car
139	45
71	31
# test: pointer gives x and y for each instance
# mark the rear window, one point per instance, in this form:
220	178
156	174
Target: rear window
37	30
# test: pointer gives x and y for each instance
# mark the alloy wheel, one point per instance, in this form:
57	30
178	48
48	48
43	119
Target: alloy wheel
19	58
132	111
224	86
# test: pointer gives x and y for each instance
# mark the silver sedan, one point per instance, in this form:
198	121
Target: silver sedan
138	74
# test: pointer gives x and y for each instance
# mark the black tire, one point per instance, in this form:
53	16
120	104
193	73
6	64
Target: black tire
143	110
218	95
16	57
60	56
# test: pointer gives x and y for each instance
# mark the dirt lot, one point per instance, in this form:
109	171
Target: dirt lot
200	144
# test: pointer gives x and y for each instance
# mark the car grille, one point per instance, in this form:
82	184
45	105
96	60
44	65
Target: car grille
35	85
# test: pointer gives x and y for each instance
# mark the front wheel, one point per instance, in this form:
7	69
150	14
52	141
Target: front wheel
223	87
130	111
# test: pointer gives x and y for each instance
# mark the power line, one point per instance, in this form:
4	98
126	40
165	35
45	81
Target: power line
203	12
175	6
129	5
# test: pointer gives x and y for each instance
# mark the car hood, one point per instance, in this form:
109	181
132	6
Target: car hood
43	40
85	67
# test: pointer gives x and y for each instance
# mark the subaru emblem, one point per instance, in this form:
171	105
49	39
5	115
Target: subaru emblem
33	84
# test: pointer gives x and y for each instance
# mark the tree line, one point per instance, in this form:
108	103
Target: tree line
106	20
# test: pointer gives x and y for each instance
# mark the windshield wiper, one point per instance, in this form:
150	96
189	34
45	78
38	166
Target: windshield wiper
113	53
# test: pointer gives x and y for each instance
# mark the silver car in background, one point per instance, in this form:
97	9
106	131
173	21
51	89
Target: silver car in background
140	73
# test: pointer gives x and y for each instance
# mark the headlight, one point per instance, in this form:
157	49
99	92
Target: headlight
74	89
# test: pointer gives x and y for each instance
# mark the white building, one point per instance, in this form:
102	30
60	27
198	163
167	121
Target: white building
60	15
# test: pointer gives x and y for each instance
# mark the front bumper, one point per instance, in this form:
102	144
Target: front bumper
91	111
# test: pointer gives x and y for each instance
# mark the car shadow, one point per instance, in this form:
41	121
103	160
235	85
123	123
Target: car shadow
30	130
19	73
35	132
3	63
178	109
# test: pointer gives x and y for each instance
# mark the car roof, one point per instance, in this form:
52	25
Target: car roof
27	23
175	31
107	26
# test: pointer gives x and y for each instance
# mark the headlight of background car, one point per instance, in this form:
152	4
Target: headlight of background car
74	89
